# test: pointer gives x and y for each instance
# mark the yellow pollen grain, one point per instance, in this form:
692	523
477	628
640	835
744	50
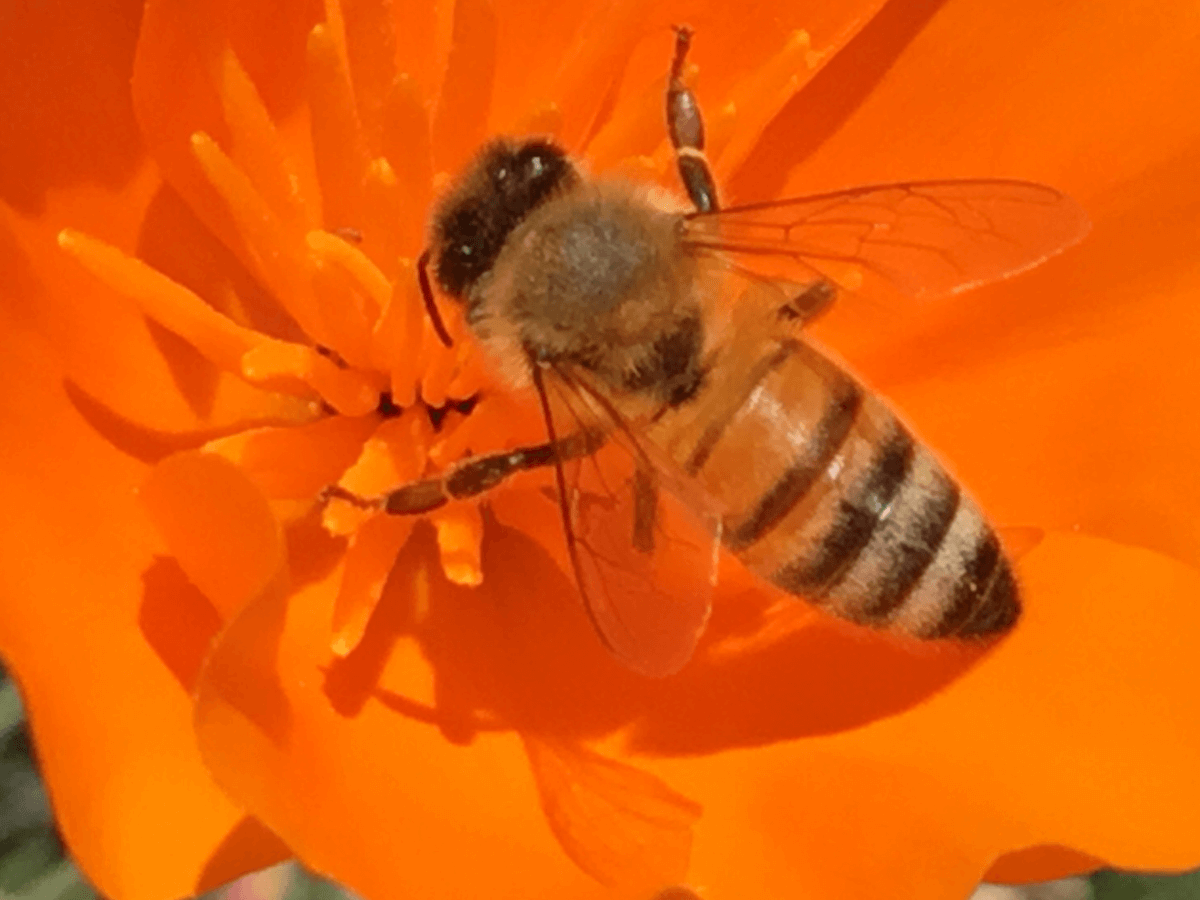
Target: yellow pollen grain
159	298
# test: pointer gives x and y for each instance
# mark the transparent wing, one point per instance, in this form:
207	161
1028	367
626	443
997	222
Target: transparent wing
927	238
642	542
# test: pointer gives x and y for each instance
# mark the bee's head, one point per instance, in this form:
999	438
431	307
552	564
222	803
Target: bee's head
500	187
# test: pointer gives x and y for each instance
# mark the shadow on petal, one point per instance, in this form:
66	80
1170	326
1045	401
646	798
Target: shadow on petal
248	847
176	619
64	98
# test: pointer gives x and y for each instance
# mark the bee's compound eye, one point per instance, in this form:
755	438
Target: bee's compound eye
536	166
464	249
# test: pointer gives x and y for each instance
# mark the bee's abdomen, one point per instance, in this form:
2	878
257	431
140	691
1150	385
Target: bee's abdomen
838	504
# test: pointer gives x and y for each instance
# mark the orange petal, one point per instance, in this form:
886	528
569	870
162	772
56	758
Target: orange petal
119	364
67	65
1041	88
461	114
194	496
176	93
91	616
409	790
297	462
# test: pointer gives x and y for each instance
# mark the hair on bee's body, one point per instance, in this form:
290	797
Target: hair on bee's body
592	273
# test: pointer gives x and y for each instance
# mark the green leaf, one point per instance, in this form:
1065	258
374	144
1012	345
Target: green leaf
1110	885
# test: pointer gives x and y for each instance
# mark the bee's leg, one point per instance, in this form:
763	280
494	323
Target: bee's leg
809	302
471	477
686	127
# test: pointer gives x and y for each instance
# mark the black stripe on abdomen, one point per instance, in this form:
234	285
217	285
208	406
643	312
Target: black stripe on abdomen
984	597
837	418
858	515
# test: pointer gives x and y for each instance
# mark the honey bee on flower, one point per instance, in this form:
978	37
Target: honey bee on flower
635	316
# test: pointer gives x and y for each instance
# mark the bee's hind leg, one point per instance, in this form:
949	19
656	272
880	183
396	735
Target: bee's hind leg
686	127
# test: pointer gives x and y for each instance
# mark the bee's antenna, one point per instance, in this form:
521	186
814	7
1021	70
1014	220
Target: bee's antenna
430	306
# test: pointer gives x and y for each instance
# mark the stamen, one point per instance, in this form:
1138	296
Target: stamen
758	99
406	145
592	68
396	341
460	119
335	28
370	41
339	147
637	128
368	563
166	302
395	454
343	519
383	207
277	256
343	306
345	257
347	307
459	535
474	374
439	364
257	148
545	119
280	366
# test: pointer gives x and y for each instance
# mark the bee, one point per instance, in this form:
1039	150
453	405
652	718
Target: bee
669	370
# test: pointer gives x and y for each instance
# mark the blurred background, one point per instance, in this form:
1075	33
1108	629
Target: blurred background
34	866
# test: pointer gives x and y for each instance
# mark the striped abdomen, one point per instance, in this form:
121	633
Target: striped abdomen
832	499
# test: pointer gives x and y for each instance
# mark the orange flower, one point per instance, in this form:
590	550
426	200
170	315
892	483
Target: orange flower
221	671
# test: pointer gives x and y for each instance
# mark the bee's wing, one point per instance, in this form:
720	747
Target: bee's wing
927	238
641	539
